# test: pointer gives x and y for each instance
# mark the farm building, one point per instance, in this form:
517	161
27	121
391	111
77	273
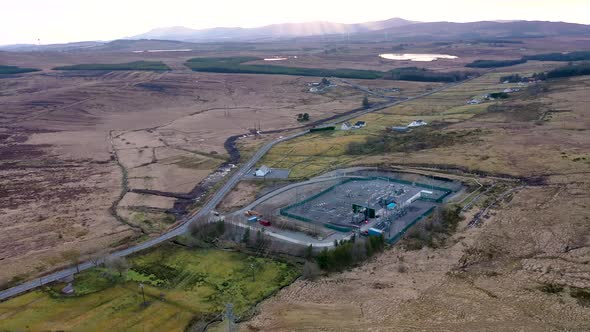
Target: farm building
417	123
360	124
509	90
346	126
262	171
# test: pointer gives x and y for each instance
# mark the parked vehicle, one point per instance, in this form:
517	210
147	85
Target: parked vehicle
253	219
375	232
265	223
250	213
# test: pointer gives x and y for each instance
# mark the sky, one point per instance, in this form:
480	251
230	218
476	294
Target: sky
59	21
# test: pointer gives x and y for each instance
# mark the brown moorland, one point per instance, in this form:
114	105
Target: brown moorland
524	268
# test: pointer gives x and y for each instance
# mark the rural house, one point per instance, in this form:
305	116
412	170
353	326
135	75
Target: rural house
262	171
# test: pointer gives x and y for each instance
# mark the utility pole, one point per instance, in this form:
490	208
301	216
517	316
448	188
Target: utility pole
142	293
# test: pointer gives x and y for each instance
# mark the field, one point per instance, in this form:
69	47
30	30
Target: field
137	65
524	268
447	113
122	155
94	161
182	286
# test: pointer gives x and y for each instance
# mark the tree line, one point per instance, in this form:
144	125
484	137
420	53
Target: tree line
136	65
236	65
426	75
563	57
347	253
8	70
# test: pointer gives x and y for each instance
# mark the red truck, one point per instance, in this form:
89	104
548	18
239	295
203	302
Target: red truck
264	222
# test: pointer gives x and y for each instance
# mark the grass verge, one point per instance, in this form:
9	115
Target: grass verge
181	286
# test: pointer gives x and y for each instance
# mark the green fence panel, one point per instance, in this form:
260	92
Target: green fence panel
284	211
412	223
338	228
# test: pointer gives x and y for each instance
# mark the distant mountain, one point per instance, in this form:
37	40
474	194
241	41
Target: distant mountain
274	31
76	46
485	29
395	29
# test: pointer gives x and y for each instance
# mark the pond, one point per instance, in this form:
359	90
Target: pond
157	51
275	59
417	57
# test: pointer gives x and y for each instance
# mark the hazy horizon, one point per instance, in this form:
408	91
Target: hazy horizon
63	21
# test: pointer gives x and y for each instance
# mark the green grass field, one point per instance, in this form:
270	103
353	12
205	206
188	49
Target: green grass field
8	70
136	65
316	153
181	285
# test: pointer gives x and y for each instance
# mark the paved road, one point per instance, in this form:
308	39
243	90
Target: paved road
362	88
205	210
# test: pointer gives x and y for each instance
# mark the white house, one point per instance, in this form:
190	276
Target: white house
509	90
346	126
417	123
262	171
360	124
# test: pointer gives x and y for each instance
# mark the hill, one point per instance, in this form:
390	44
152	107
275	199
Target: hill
269	31
485	29
397	27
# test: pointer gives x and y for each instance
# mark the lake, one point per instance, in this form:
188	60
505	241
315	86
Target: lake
416	57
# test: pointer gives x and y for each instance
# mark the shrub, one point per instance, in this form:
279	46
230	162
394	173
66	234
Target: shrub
434	230
348	253
310	270
203	235
551	288
581	295
415	140
515	78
